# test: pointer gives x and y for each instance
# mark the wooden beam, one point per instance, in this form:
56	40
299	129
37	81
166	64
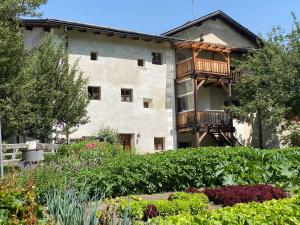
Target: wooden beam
123	36
195	86
200	84
197	138
110	34
224	87
202	137
203	45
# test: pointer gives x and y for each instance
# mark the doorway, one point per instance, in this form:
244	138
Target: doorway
126	140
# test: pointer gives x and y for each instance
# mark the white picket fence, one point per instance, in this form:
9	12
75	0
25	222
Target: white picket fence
12	153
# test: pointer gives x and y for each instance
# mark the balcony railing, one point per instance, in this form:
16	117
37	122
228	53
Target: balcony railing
202	65
184	67
212	66
235	76
204	118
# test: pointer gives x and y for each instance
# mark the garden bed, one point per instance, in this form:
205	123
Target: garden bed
96	170
192	202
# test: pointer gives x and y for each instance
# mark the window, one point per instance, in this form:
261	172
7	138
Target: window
126	95
147	103
94	93
185	103
94	56
159	143
141	62
156	58
184	87
185	95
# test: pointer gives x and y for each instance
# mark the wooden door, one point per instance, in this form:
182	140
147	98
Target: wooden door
125	141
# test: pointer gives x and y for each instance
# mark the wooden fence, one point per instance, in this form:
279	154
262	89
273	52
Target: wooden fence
12	153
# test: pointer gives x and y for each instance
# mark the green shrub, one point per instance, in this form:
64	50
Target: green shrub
77	148
179	203
279	212
108	135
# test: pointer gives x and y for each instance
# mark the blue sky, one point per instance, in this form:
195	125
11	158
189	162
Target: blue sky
157	16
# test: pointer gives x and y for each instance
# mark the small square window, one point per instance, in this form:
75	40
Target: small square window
159	143
94	56
147	103
94	93
141	62
156	58
126	95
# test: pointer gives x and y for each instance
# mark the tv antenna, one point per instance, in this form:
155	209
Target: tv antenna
193	8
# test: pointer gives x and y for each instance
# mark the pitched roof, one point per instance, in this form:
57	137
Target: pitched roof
96	29
217	14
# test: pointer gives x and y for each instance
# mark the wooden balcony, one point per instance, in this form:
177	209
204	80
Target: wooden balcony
204	119
185	67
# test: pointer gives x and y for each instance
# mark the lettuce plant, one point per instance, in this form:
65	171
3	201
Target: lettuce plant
231	195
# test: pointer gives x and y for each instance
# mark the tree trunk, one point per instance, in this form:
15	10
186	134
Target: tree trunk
68	135
260	129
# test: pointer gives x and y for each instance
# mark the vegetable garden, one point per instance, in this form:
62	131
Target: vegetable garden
207	185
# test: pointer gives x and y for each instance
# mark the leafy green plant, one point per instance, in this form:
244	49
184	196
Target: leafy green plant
279	212
18	205
179	203
118	173
204	167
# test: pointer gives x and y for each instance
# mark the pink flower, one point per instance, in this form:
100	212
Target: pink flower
90	146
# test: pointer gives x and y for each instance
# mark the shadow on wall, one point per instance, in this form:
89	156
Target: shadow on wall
269	136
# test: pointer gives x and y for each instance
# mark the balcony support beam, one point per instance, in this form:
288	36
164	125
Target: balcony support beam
224	87
200	84
202	137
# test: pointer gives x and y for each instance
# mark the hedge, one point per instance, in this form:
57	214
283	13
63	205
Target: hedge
279	212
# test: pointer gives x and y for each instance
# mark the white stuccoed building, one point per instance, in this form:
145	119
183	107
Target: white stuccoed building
135	79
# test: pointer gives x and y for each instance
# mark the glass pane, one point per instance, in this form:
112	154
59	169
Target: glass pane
184	87
186	103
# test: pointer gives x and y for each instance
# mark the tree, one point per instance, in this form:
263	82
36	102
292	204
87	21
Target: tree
59	98
269	90
15	84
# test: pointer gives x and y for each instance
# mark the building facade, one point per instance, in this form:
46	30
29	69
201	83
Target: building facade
158	92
